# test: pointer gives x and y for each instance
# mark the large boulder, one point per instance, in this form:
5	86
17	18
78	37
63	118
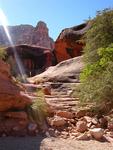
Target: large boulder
13	118
10	94
66	71
70	42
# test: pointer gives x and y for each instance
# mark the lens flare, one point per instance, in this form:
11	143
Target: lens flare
4	23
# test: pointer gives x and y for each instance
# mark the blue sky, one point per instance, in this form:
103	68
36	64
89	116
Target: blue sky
58	14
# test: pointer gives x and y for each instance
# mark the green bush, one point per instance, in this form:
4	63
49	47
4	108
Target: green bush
99	35
38	110
2	52
97	76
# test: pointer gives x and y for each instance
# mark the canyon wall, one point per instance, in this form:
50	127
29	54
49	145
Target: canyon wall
27	34
70	42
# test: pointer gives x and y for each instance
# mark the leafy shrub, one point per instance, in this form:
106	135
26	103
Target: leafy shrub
2	53
38	110
99	35
97	78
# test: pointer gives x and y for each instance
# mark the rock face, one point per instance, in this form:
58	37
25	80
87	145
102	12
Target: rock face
35	59
27	34
41	37
70	42
10	95
13	118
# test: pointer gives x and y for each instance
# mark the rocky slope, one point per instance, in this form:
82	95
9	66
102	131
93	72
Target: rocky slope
27	34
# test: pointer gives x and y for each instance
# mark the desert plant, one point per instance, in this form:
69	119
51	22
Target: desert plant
38	110
2	52
99	35
97	76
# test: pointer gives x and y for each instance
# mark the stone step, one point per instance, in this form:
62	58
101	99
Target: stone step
61	99
62	102
69	104
57	96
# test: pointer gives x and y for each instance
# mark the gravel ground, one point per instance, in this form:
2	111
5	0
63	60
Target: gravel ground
71	144
41	143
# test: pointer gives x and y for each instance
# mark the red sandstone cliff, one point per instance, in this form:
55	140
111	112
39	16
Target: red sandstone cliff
13	118
70	42
27	34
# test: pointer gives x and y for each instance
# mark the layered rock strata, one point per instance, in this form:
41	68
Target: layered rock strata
13	117
27	34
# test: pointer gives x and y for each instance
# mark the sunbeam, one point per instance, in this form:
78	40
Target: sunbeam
4	23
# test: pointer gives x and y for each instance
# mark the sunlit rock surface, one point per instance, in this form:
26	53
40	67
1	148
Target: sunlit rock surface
66	71
27	34
70	42
10	95
13	118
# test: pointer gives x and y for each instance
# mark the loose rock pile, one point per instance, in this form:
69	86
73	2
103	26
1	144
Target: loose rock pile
81	124
68	125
